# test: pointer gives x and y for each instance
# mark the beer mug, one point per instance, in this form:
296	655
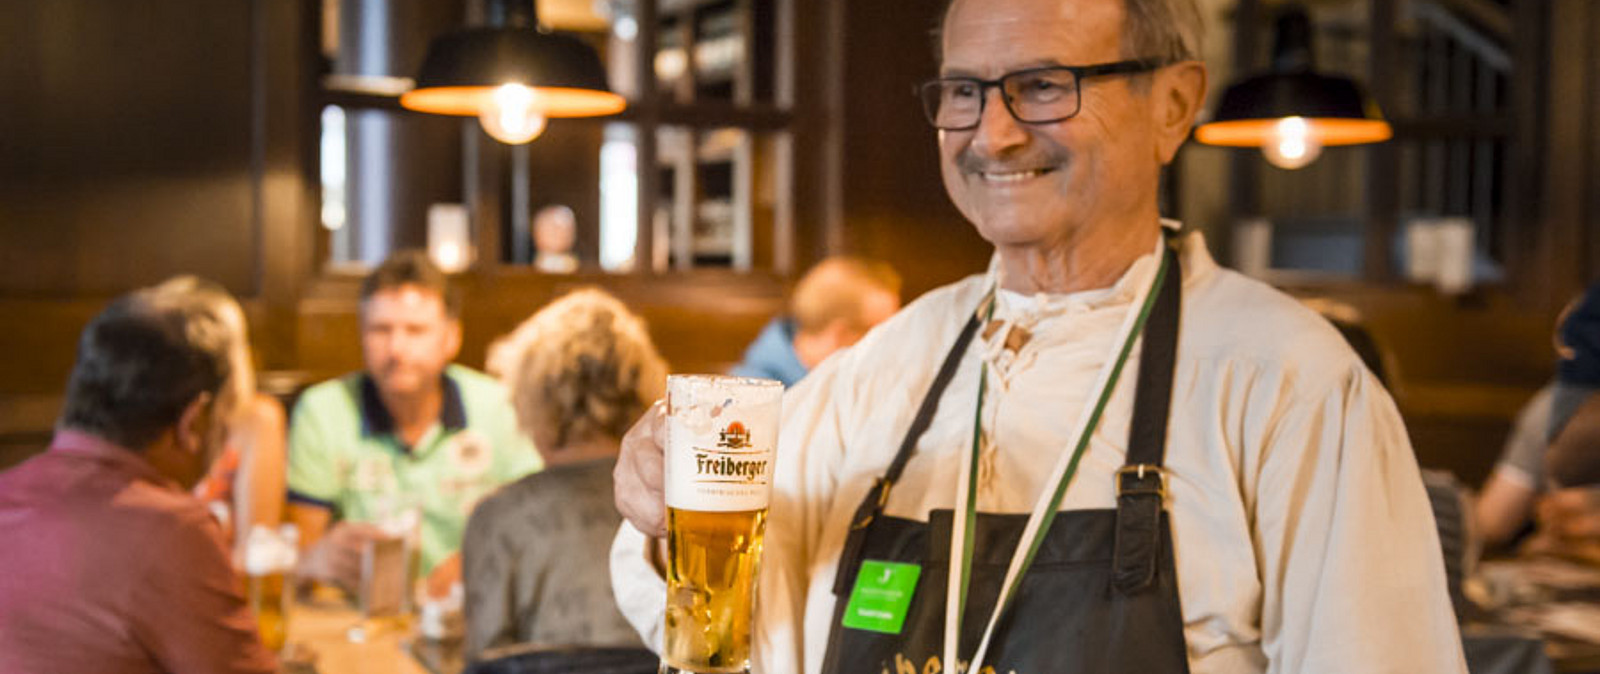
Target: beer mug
390	566
269	558
721	433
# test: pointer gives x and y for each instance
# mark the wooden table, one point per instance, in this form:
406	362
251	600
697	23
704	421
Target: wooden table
326	623
1550	599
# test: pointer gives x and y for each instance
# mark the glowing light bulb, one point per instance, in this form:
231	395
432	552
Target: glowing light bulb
512	114
1292	144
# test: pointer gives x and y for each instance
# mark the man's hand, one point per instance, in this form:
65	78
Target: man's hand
1569	525
436	587
640	474
1572	514
336	558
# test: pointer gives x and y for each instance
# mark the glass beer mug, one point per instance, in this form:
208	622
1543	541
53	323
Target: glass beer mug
269	559
719	459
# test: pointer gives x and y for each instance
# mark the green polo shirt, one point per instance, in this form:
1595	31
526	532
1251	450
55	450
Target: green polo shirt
344	456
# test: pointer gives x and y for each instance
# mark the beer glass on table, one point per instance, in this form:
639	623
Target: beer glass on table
391	566
269	558
719	459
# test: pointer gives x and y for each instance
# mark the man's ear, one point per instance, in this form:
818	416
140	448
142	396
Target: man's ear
1180	94
194	424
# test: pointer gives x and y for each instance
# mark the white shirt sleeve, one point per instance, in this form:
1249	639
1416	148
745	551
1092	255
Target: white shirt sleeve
641	592
1349	556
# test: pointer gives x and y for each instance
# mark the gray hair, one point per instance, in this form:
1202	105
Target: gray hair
1166	30
583	365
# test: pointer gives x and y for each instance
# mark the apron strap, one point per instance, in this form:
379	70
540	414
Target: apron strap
1141	483
876	497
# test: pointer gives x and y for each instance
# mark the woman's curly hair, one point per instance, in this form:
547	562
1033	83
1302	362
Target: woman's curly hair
582	365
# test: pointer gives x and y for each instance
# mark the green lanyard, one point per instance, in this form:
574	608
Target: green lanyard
1044	514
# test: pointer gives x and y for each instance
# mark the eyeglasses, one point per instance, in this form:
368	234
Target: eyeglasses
1033	96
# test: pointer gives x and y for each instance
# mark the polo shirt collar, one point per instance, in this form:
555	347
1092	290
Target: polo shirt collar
86	445
376	420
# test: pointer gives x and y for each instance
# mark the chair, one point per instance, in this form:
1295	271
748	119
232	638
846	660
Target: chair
1451	513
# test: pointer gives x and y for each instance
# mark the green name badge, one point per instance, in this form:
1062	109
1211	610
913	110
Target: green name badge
882	596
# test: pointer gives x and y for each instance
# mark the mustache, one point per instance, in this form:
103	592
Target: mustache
970	162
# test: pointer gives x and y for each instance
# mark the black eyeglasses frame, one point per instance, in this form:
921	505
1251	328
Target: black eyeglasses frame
1079	74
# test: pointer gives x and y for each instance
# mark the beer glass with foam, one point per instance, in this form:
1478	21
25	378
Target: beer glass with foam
719	459
269	558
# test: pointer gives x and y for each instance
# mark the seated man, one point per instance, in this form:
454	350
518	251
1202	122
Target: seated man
410	436
833	306
110	564
581	371
1505	506
1569	517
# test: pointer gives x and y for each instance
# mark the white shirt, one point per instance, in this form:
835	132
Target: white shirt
1302	535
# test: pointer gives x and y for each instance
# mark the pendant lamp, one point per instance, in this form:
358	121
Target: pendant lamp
1292	112
512	75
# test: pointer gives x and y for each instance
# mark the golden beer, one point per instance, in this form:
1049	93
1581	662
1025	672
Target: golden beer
721	437
269	556
269	602
711	572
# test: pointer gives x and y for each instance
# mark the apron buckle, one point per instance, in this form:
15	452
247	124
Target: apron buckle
1131	480
863	519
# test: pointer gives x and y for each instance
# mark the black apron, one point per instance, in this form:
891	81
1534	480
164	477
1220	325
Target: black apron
1102	593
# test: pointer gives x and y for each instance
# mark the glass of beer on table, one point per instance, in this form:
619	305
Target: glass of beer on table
269	558
721	433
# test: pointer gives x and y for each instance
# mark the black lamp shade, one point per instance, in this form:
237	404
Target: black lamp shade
1337	110
1334	110
463	68
1292	95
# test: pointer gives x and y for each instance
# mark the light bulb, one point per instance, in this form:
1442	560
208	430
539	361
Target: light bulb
512	114
1292	144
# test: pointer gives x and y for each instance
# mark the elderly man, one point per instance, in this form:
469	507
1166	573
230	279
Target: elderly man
411	436
110	565
1128	458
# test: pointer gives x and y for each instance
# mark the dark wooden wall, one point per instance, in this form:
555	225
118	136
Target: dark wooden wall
895	206
125	151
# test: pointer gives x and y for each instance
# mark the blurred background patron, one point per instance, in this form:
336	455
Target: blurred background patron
833	306
111	566
410	436
580	371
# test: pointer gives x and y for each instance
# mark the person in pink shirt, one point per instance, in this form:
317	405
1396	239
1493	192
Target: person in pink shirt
109	564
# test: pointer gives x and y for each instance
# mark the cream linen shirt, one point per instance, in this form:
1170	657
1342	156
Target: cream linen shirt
1303	538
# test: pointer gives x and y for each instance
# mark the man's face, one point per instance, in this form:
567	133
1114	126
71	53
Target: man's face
407	338
1028	184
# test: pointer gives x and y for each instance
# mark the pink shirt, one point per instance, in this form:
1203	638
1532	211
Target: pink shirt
107	567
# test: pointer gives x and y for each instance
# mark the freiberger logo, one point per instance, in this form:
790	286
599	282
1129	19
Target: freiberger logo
725	464
735	436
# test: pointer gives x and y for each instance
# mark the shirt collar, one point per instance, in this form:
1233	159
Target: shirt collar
1191	250
81	444
376	420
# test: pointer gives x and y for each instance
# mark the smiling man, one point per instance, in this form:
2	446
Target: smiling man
410	436
1107	454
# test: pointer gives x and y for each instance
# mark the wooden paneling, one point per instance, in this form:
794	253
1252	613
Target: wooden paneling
895	206
125	148
701	322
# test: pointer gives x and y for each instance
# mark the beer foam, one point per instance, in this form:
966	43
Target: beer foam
721	433
267	551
